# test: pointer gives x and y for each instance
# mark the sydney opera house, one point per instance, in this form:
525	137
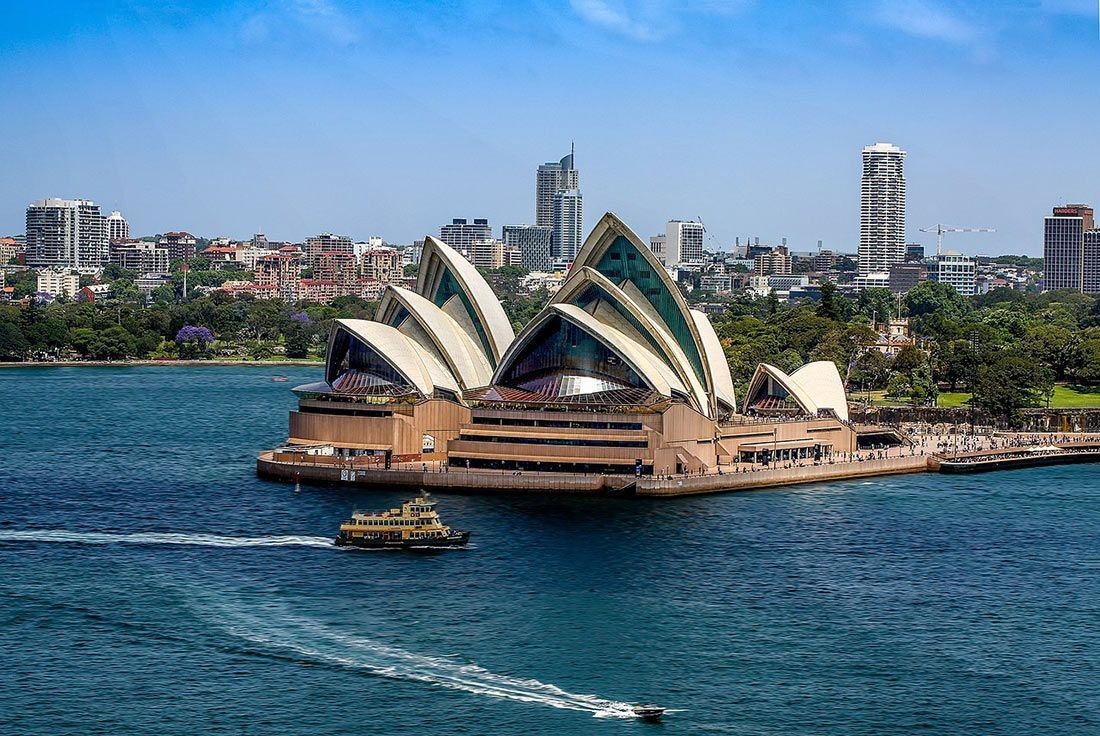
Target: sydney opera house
616	375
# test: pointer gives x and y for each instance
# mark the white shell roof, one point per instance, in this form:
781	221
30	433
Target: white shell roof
448	339
602	236
485	303
418	366
640	308
821	381
815	386
716	358
656	374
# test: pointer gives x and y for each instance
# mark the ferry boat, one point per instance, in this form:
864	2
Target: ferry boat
415	525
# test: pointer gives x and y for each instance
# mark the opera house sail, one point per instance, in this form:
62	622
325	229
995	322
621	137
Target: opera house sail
616	375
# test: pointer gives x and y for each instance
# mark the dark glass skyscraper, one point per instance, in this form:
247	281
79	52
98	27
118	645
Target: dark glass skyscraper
1071	250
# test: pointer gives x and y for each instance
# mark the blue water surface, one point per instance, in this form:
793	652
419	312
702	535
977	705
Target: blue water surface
916	604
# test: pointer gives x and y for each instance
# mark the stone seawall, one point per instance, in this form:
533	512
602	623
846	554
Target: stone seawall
457	480
780	477
463	481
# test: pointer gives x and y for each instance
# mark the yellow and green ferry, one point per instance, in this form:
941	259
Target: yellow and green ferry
415	525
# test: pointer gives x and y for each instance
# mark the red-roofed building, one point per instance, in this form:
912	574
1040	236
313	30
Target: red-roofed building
318	290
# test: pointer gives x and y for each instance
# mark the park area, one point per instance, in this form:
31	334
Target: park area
1064	397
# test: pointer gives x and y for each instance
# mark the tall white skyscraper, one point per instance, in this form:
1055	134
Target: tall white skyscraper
66	232
117	228
882	209
683	243
550	179
566	235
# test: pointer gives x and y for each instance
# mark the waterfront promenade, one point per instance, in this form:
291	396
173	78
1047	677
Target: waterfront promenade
933	449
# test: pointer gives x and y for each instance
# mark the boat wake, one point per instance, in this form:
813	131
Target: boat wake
277	632
196	540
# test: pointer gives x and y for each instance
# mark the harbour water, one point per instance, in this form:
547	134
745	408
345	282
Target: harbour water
149	582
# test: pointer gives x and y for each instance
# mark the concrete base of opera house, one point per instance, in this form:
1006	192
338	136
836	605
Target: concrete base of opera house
460	480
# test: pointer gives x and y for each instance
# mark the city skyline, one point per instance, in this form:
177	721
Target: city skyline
774	119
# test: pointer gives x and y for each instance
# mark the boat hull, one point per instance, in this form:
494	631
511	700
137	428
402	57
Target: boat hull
457	539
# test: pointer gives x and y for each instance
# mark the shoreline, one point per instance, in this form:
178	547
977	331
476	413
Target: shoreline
483	481
133	363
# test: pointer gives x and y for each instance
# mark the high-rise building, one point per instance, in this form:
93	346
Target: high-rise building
382	264
180	245
493	254
882	209
955	270
116	226
914	252
326	243
533	243
775	263
684	243
281	273
66	232
566	235
1071	250
139	256
550	179
462	232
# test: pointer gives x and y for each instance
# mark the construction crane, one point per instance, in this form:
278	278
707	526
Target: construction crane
939	230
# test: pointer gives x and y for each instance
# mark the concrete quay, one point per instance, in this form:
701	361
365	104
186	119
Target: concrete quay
431	477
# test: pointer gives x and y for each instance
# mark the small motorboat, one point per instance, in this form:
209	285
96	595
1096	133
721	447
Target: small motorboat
651	713
280	379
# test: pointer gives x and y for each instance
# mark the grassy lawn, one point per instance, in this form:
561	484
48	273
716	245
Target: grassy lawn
1065	397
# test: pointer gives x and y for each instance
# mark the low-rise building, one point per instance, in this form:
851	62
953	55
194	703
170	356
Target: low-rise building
956	270
58	282
94	293
318	290
905	276
149	282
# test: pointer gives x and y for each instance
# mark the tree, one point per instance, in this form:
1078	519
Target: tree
826	308
908	359
772	303
193	341
13	345
876	304
932	297
297	336
870	370
1010	382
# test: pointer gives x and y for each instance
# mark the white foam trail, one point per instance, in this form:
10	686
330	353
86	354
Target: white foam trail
319	642
197	540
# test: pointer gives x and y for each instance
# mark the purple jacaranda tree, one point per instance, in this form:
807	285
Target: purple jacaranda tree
301	317
192	341
191	333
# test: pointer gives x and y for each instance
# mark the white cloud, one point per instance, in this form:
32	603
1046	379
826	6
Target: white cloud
650	20
320	18
926	19
614	17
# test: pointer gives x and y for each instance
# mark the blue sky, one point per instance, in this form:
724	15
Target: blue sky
297	116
